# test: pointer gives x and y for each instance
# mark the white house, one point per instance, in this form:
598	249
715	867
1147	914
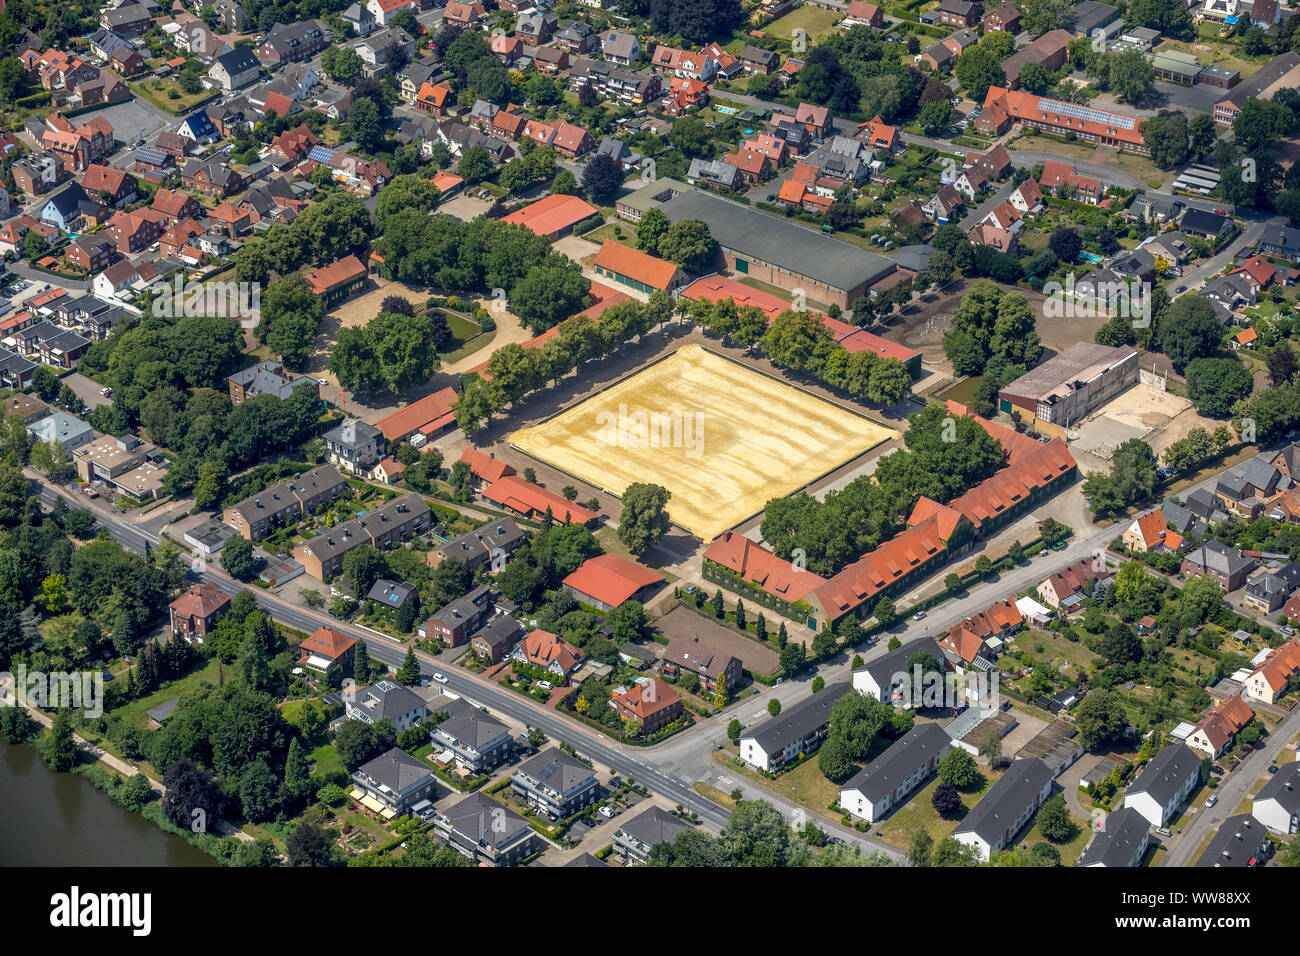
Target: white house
1268	682
387	699
888	780
800	729
1006	808
1277	806
384	10
1165	783
880	678
1122	841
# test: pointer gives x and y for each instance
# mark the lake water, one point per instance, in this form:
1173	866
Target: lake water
59	819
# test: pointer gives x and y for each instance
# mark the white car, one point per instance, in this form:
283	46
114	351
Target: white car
607	813
545	684
440	678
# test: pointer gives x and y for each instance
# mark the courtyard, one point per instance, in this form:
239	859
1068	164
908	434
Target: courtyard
722	438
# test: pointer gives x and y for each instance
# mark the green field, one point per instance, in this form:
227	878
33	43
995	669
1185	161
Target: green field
815	21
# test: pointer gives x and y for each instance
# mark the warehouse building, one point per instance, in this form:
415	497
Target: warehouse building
1066	388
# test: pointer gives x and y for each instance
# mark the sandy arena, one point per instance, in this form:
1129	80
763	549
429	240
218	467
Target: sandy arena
722	438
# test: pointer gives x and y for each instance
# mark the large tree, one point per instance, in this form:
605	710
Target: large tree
1100	718
291	316
602	177
1190	331
644	519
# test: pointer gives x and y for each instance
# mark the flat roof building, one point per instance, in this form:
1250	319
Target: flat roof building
1064	389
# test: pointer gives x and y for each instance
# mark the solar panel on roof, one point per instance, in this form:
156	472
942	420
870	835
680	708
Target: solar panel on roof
321	154
1087	113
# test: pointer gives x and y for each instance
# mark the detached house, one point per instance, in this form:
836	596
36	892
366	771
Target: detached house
1226	565
550	652
196	612
235	70
1270	680
1219	727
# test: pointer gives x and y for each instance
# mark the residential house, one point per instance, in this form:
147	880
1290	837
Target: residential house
396	783
555	784
1165	784
890	779
650	702
796	730
1065	588
235	70
715	174
621	48
71	433
496	639
536	27
1268	589
1005	18
328	654
293	43
576	36
886	678
354	445
1241	841
195	613
1206	224
393	522
476	741
387	700
1006	808
456	621
1277	805
383	10
1149	532
1121	840
268	377
707	663
459	14
259	514
861	13
1215	732
1270	680
484	831
533	501
635	838
359	19
550	652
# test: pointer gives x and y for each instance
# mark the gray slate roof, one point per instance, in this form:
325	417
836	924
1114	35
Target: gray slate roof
654	826
1236	843
795	248
914	748
1284	787
397	770
1006	799
1166	772
800	720
557	770
1115	845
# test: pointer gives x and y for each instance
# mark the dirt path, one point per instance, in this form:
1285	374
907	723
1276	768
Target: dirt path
128	770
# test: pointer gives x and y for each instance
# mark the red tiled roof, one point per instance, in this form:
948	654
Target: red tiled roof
759	566
552	214
327	642
543	647
200	601
418	416
529	499
335	274
611	578
647	699
1041	109
626	261
485	467
105	178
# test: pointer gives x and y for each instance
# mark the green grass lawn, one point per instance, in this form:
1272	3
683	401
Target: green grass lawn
473	345
325	760
158	92
1071	851
135	711
815	21
919	812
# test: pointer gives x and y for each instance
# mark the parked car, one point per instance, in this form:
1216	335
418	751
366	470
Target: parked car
545	684
1272	768
918	615
1164	831
440	678
1213	799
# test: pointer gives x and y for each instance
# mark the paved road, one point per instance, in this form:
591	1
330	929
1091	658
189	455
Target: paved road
1238	785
